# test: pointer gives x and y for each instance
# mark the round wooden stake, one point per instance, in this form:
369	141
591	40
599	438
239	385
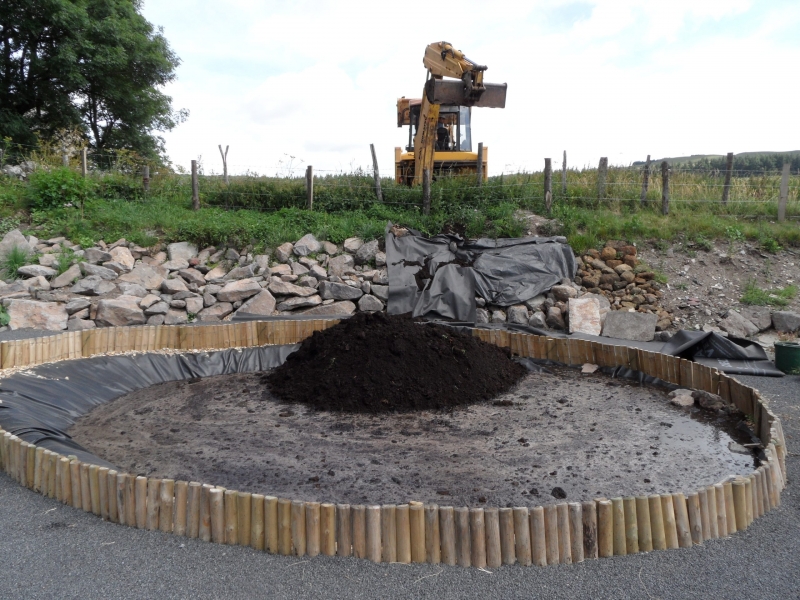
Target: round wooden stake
417	520
770	485
181	505
344	531
205	513
618	512
94	489
643	524
463	540
285	526
494	557
670	529
740	504
257	522
102	480
433	547
140	499
271	524
22	452
166	502
538	537
705	514
194	493
758	505
312	529
231	516
682	526
121	485
564	539
327	521
66	483
373	522
37	469
153	503
605	528
86	492
216	499
713	516
764	490
51	476
589	510
522	536
31	466
75	480
576	531
244	501
358	516
695	517
403	534
448	535
507	550
631	526
552	549
730	510
748	485
299	528
477	529
657	523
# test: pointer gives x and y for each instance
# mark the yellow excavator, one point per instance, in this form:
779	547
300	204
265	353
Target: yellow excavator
439	123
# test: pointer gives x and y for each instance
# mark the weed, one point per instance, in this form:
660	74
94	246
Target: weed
770	245
65	260
755	295
17	257
734	234
5	318
704	243
681	286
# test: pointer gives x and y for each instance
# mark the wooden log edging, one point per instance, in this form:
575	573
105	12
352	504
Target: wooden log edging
480	537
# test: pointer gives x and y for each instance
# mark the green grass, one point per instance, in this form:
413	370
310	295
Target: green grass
65	260
5	318
17	257
755	295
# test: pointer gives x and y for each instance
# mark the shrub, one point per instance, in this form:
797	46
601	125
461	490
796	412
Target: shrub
17	257
57	188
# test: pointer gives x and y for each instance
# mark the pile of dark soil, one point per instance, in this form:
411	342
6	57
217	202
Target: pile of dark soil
378	362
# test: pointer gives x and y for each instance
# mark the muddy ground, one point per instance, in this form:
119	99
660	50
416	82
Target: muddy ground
554	435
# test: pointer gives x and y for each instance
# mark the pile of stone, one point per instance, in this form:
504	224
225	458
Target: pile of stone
124	284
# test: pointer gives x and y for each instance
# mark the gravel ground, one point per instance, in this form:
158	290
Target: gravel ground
52	551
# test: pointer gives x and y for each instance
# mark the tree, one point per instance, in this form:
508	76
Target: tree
93	64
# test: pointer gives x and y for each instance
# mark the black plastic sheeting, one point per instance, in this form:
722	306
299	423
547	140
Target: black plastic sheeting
40	404
439	277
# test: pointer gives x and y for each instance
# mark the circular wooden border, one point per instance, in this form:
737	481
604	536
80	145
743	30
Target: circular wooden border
412	532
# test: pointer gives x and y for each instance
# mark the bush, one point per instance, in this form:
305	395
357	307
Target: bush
116	186
57	188
17	257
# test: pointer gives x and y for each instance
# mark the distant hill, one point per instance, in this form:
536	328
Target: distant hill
744	161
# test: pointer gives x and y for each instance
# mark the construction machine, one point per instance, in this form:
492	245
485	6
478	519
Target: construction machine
439	123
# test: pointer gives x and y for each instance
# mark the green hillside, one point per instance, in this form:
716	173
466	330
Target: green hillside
744	161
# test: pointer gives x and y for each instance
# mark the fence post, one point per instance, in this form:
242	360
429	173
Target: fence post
784	193
426	192
645	181
195	190
548	185
602	174
224	163
310	187
664	188
480	163
65	160
376	174
146	178
84	163
564	174
728	172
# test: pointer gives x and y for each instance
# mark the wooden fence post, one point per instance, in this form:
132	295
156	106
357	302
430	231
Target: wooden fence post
376	174
310	187
426	192
195	191
65	160
146	178
564	174
224	163
84	163
784	193
548	185
726	189
602	175
664	188
645	181
480	163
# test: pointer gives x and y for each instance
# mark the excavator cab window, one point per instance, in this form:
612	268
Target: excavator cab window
453	131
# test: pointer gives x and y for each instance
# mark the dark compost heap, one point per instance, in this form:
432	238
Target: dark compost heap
377	363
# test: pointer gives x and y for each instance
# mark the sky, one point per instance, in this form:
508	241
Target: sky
287	84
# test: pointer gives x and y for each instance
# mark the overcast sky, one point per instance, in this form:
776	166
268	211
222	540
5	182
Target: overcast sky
287	84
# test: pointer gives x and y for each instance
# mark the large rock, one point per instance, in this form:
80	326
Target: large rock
283	252
536	302
176	317
352	244
296	302
337	309
584	316
76	305
338	291
554	319
369	303
537	320
760	316
157	308
147	276
93	286
176	265
564	292
173	286
381	292
217	272
132	289
284	288
737	326
518	314
118	312
605	305
367	252
194	305
306	245
97	270
238	290
786	321
622	325
68	277
263	303
340	265
192	276
14	239
80	325
37	315
36	271
181	251
215	312
245	272
95	255
122	256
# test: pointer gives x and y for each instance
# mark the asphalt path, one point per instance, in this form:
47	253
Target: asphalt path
48	550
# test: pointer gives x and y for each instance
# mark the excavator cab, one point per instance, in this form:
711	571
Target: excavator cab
453	130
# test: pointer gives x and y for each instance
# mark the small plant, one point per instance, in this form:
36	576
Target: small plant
17	257
734	234
757	296
5	318
57	189
770	245
682	286
704	243
65	260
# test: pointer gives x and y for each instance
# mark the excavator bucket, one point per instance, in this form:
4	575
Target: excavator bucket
454	93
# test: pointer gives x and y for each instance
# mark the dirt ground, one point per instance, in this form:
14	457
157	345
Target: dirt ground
554	436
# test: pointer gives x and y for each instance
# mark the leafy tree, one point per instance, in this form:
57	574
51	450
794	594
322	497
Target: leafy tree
95	64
